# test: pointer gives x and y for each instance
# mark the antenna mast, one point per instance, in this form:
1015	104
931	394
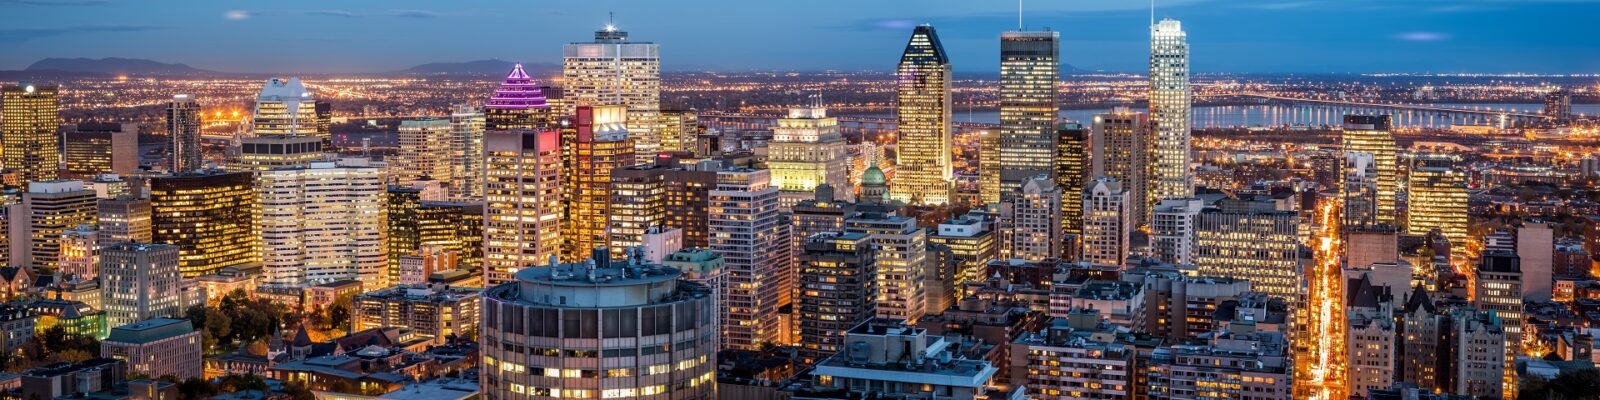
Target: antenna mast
1019	15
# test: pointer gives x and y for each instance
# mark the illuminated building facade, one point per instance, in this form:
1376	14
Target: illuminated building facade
522	190
1030	63
1107	222
1359	190
29	121
806	151
322	224
90	149
467	124
123	219
1120	150
988	167
1172	230
600	144
518	103
614	71
1036	232
284	107
679	128
1436	198
141	282
79	257
1260	246
1072	174
747	230
448	226
270	152
902	252
923	149
183	134
425	151
838	290
1370	134
53	207
972	243
1499	291
638	204
644	333
209	216
434	311
1169	111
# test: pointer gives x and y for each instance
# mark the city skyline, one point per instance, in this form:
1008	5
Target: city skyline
1103	35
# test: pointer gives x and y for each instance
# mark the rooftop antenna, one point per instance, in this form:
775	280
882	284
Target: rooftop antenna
1152	12
1019	15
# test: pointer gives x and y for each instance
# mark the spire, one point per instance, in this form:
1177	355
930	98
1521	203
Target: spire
518	91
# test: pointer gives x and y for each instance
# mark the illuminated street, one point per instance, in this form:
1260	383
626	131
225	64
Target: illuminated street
1323	341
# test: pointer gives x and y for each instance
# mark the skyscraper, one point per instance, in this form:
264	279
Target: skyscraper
209	216
1169	111
1359	190
839	275
1030	65
638	204
1072	174
614	71
1036	220
1172	225
679	127
29	120
745	230
600	145
141	282
807	151
183	133
284	107
1370	134
1120	150
123	219
425	151
923	149
1436	198
902	254
1107	222
467	124
1261	245
522	216
1499	290
90	149
988	167
322	224
52	208
517	104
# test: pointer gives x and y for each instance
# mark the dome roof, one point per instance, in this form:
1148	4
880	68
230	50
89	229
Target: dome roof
874	176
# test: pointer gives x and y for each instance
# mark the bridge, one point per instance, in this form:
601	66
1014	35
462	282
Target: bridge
1404	114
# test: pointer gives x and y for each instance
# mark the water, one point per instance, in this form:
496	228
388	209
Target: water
1271	115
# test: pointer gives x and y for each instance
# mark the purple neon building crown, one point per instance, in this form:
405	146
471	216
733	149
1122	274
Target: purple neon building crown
518	92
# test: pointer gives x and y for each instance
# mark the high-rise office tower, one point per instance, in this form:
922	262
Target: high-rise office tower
1030	65
141	282
90	149
806	151
1370	134
614	71
1499	289
522	216
29	121
263	153
626	331
988	167
52	207
600	144
1120	150
322	224
183	134
679	127
209	216
1172	225
425	151
1169	111
1261	245
467	124
1036	220
972	242
518	103
1359	191
1107	222
414	224
638	204
1072	175
923	146
123	219
902	254
1436	198
679	192
745	230
839	275
284	107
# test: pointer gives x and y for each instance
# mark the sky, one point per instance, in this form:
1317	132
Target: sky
347	36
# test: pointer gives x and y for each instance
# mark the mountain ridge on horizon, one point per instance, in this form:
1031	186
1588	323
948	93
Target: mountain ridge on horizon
56	67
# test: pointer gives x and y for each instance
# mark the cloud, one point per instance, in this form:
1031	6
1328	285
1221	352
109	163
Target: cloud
56	2
1422	36
239	15
389	13
26	34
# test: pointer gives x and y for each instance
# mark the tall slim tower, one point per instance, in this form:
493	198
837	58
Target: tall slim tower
142	282
600	145
1036	220
518	103
466	166
922	86
1370	134
1437	199
522	214
1072	175
840	271
1121	150
1106	222
747	230
1169	111
988	167
284	107
613	71
425	151
29	131
1030	67
183	131
807	151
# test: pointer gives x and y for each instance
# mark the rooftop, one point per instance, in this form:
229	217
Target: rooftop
150	330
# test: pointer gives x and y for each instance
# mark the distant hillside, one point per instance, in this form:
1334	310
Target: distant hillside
480	67
116	66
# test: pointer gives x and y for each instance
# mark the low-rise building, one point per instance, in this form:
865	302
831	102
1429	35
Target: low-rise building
886	358
157	347
433	310
1077	357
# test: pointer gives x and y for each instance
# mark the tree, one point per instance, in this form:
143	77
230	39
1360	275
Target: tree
297	391
196	389
339	313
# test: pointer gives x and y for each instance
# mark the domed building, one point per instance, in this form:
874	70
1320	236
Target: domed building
874	186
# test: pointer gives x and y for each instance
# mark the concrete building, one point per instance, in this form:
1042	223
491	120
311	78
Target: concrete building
747	230
1169	112
1259	245
29	131
902	252
51	208
838	280
1238	362
1107	222
1036	221
807	151
1372	338
436	311
1477	364
1077	357
522	217
887	358
157	347
1370	134
322	223
613	70
1120	149
1536	251
123	219
263	153
90	149
141	282
1172	230
971	241
426	151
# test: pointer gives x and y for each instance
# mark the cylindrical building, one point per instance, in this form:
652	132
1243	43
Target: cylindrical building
595	330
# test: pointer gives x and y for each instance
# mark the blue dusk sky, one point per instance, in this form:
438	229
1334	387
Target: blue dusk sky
339	36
